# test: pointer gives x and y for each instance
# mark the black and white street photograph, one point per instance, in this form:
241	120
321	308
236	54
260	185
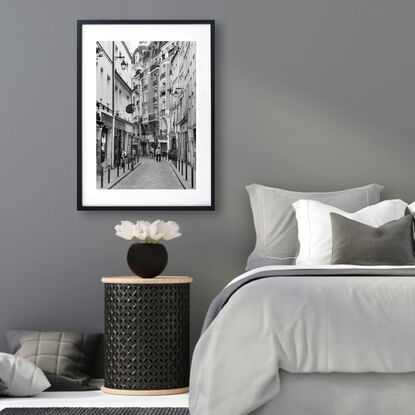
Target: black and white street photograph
152	131
149	140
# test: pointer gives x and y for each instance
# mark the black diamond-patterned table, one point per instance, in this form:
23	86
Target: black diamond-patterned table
146	335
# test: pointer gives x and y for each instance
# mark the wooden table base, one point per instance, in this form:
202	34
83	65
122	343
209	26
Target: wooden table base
128	392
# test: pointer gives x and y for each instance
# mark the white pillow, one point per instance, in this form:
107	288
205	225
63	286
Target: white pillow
314	226
411	207
20	376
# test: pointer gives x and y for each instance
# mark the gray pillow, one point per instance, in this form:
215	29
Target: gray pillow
20	377
359	244
276	225
65	357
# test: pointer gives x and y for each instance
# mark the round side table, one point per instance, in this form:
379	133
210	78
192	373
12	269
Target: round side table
146	335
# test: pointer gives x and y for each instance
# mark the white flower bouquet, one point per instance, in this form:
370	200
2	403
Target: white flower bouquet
146	232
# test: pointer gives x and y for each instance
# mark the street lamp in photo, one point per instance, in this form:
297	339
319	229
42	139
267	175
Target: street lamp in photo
176	91
124	64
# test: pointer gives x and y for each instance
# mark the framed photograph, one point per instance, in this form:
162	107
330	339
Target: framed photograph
146	115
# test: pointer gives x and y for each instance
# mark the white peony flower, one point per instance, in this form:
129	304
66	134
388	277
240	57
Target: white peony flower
169	230
154	233
125	230
148	232
142	229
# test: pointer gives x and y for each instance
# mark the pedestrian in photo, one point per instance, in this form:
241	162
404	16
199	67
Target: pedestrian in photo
158	154
123	157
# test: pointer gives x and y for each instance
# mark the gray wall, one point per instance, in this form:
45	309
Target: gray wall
311	95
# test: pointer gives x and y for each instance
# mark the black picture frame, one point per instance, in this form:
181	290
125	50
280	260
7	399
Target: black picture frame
80	203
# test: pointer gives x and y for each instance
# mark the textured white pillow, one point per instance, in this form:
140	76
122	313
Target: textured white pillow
314	226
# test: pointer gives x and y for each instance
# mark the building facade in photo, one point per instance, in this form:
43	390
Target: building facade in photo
183	103
115	131
146	94
164	96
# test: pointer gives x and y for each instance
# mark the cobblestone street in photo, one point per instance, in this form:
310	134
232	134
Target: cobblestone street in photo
150	174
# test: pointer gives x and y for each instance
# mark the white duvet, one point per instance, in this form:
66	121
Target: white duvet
302	324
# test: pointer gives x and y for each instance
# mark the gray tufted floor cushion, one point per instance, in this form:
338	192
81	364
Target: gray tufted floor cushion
65	357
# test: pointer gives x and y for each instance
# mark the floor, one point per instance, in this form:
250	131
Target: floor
95	399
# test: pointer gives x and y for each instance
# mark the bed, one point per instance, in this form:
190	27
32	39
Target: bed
292	340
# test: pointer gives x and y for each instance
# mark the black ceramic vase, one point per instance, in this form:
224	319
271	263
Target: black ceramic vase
147	260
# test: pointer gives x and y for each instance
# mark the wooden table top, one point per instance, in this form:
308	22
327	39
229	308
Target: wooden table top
161	279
